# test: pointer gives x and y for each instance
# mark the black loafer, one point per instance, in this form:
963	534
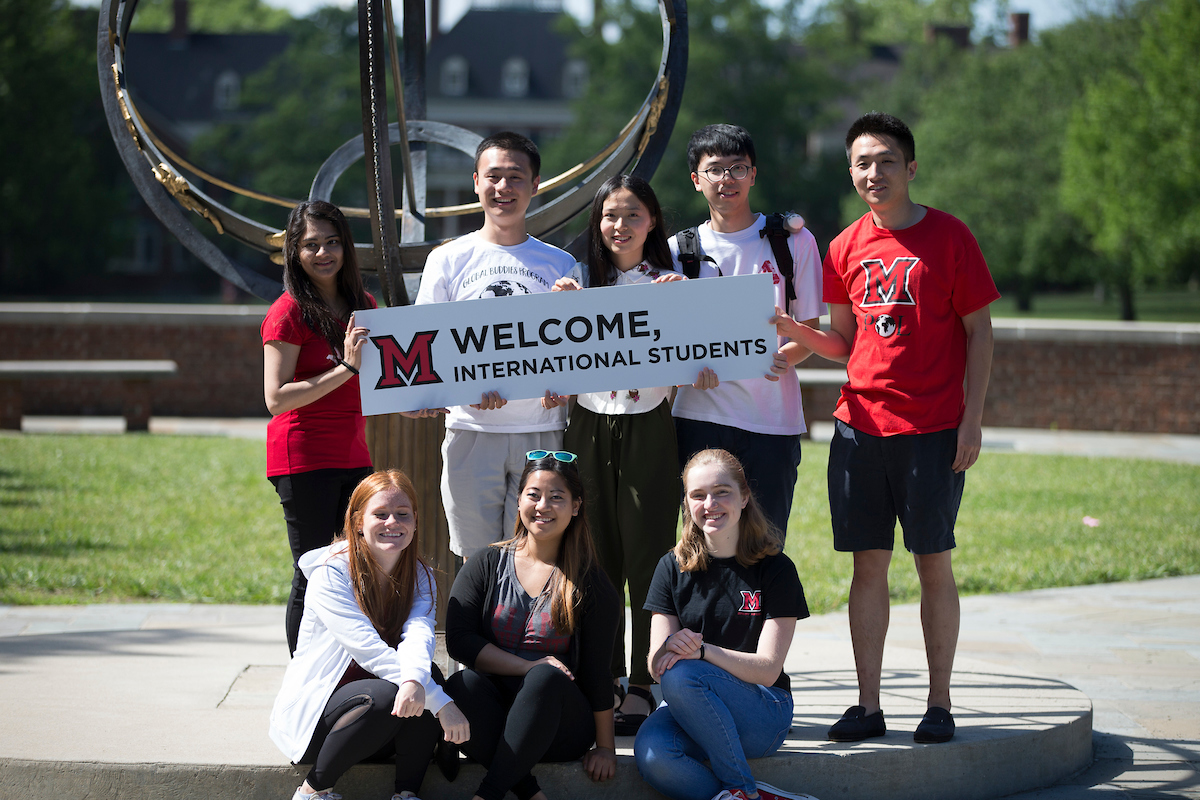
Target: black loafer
856	725
936	727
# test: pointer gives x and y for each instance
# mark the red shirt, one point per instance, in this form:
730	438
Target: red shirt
328	433
909	290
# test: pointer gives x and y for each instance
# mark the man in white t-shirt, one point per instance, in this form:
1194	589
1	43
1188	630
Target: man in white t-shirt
758	420
485	446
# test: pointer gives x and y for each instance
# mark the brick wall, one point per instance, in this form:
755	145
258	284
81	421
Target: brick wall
1099	376
218	350
1047	373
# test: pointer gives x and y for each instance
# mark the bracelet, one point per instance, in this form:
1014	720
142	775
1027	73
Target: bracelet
702	651
342	361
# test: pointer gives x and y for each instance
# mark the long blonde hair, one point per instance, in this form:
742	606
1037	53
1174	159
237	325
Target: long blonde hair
388	602
757	537
576	552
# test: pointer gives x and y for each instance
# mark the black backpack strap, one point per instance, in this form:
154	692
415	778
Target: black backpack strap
778	234
690	254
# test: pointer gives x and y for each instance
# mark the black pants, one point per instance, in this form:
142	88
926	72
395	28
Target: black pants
314	505
357	725
517	722
630	467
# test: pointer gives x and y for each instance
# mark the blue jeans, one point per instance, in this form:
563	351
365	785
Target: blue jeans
709	715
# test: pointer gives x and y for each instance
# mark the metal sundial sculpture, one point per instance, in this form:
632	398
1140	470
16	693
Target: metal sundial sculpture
161	176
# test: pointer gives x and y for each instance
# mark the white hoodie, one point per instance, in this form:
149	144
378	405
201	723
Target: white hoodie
333	631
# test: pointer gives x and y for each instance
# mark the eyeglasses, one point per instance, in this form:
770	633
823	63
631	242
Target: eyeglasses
738	172
557	455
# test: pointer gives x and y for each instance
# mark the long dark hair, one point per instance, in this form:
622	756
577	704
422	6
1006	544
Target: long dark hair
388	602
317	315
602	271
576	553
757	538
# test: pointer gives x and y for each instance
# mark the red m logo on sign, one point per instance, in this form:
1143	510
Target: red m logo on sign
888	285
401	367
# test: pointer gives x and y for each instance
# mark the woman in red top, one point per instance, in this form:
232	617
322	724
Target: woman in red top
316	441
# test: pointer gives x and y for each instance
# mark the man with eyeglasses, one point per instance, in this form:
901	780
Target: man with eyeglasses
758	420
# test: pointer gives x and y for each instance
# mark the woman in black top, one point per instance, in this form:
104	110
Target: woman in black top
533	619
725	603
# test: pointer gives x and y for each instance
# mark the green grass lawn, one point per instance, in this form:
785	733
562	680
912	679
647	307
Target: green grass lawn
1021	526
1180	305
192	519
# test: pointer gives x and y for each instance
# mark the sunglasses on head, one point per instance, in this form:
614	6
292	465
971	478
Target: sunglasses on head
557	455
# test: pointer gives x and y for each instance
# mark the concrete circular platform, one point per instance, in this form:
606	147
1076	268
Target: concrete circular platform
179	707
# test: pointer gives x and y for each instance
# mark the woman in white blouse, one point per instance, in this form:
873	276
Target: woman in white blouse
361	681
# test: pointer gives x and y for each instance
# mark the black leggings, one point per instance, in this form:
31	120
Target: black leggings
357	725
314	505
515	723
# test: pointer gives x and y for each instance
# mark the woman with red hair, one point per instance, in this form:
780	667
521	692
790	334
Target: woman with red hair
362	680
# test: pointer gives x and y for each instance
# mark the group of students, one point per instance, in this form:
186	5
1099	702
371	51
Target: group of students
584	491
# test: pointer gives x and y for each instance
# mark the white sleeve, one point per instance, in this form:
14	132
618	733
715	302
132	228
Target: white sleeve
806	277
331	598
433	281
418	641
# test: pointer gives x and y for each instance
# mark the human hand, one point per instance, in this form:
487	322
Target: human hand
680	646
600	763
490	401
410	700
554	662
423	413
970	442
455	727
707	379
784	324
353	342
669	277
565	285
779	366
553	400
684	642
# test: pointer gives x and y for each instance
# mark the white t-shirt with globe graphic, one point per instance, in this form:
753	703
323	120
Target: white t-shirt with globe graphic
471	268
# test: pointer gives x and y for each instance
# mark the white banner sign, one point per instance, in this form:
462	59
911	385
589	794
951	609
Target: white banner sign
657	334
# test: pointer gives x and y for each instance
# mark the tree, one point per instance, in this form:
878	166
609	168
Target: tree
990	135
1132	154
890	22
211	16
311	101
57	195
768	86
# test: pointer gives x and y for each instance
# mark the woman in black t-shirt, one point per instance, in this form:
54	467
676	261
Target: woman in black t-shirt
725	603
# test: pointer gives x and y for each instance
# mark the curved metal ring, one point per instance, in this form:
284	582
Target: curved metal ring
156	173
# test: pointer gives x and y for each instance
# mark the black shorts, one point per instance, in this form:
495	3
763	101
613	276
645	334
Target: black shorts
875	480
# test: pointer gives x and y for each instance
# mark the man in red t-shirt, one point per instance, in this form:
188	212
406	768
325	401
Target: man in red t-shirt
908	293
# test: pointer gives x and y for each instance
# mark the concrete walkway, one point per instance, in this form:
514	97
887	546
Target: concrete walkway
162	700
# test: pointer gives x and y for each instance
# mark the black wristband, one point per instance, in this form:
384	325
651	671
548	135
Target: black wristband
342	361
702	651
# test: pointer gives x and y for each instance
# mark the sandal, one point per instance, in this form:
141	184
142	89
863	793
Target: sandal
628	724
